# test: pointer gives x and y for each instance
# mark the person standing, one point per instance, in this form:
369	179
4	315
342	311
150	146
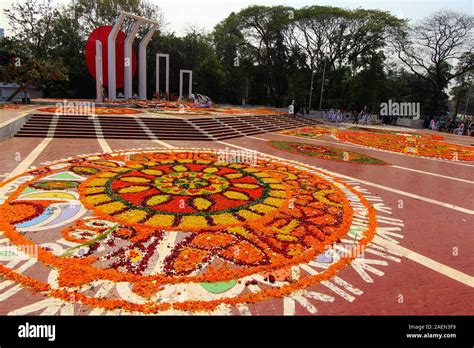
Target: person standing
356	117
295	108
25	98
432	124
461	129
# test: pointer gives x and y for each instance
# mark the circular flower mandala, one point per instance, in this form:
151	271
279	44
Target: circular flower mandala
155	224
179	194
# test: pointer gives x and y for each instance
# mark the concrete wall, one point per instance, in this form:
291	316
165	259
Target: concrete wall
7	89
9	128
408	122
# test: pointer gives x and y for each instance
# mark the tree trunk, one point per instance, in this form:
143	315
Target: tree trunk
456	109
18	90
435	103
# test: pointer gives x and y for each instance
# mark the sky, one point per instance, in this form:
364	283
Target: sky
181	14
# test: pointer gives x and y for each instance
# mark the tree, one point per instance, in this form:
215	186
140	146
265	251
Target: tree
194	51
462	93
32	63
258	33
337	35
431	48
96	13
345	41
229	45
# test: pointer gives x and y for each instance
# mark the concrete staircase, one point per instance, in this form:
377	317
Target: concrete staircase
127	127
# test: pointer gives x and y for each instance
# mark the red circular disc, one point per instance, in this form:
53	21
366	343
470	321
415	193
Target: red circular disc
102	33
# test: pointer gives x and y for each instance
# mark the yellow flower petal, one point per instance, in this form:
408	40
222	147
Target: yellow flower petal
135	179
133	189
234	176
91	190
113	207
97	199
277	193
157	199
201	203
211	170
133	215
97	182
193	222
262	208
236	195
224	219
275	202
261	174
160	220
152	172
239	230
246	186
107	175
180	168
135	166
270	180
248	215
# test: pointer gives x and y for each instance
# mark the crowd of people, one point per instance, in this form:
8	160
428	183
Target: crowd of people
453	126
25	97
201	101
335	115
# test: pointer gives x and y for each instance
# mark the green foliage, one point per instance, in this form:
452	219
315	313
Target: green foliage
430	48
30	50
265	54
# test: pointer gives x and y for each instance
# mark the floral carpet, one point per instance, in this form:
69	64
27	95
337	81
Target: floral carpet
153	231
326	152
425	145
408	143
310	132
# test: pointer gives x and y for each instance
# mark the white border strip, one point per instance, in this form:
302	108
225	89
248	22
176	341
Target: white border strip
425	261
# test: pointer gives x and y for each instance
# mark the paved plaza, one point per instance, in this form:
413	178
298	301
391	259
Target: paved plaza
313	218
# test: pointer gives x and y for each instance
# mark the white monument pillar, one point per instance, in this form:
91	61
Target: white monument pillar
167	73
99	78
128	62
128	54
111	56
181	73
142	62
